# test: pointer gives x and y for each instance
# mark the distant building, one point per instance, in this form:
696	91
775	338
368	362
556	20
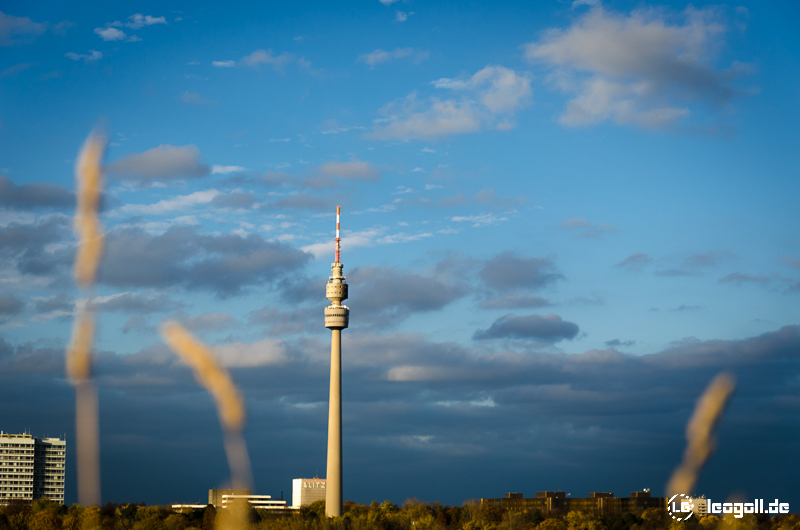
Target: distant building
220	498
307	490
598	503
31	468
215	496
181	507
700	505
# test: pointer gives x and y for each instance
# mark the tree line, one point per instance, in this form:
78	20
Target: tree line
412	515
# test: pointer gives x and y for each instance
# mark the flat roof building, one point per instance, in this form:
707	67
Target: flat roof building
215	495
31	468
307	490
221	498
181	507
598	503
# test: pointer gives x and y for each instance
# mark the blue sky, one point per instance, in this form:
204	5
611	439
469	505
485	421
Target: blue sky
560	220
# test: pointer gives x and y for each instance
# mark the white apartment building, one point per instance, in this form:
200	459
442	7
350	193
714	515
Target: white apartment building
31	468
700	505
307	490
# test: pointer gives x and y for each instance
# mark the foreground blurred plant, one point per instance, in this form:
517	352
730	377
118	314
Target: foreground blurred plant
89	181
700	435
230	408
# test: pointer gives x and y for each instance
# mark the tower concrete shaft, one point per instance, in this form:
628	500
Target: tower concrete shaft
337	318
333	487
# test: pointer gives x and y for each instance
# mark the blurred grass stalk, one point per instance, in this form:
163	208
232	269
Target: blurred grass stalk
87	423
230	408
700	435
230	405
88	175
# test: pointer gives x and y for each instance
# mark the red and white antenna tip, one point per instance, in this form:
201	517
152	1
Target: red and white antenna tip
338	209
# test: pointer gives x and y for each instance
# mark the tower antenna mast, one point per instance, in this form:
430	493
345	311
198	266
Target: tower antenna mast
338	239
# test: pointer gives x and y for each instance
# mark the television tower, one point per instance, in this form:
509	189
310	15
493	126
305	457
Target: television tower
337	317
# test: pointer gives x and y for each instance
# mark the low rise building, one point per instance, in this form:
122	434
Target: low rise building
31	468
598	503
182	507
307	490
221	498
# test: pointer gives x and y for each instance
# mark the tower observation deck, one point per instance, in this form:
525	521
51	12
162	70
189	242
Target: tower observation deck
337	318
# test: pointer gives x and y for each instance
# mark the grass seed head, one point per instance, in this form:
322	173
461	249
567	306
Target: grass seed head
700	434
89	177
209	373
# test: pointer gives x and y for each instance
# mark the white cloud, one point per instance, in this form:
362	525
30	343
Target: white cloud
637	68
17	68
578	3
301	61
338	129
259	57
429	120
498	88
387	2
485	402
224	170
266	57
479	220
164	161
428	150
167	206
206	322
490	91
265	352
452	84
161	226
379	56
355	169
401	17
501	89
138	20
384	208
363	238
110	34
583	229
94	56
18	30
194	98
625	103
421	373
402	237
